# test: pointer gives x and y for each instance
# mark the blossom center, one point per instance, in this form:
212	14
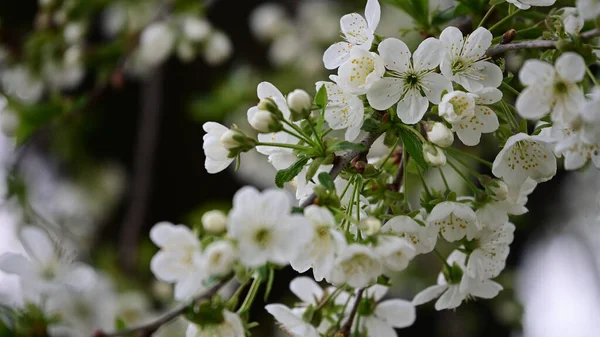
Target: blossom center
263	237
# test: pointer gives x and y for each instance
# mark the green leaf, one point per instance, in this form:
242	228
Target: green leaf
413	146
326	181
313	168
283	176
120	324
321	97
371	125
345	146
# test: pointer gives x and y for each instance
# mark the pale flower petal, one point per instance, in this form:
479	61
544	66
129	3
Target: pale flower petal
570	67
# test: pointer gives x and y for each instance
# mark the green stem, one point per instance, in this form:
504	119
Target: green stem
511	89
438	254
250	296
509	115
423	182
592	77
466	166
393	149
465	178
485	17
235	297
474	157
287	146
506	18
444	179
404	171
300	135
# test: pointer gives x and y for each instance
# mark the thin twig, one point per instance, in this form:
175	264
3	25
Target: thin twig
149	328
347	327
536	44
344	160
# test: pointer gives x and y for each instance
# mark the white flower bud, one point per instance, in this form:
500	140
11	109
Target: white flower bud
370	225
228	140
73	32
72	56
214	221
219	258
499	189
196	29
457	106
156	43
261	121
434	156
440	135
218	48
299	100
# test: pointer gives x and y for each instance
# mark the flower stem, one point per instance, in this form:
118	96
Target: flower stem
486	15
511	89
283	145
444	179
423	181
438	254
592	77
345	330
506	18
250	296
465	178
482	161
300	135
389	155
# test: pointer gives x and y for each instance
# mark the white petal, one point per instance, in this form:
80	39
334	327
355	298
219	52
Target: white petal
215	166
354	27
385	93
489	75
535	102
373	14
336	55
166	235
570	67
428	55
376	292
453	41
306	289
488	96
477	43
397	313
412	107
536	72
38	244
395	54
290	322
450	299
379	328
433	85
485	289
16	264
429	293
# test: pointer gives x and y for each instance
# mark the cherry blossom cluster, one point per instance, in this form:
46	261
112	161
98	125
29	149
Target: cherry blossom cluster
355	228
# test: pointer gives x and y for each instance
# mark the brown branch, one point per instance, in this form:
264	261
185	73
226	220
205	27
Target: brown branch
535	44
144	153
149	328
344	160
347	327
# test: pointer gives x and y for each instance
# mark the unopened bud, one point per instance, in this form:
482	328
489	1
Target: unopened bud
263	122
440	135
268	104
214	221
370	225
508	36
434	156
498	189
299	100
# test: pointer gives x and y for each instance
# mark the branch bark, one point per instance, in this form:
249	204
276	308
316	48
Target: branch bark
535	44
149	328
347	327
344	160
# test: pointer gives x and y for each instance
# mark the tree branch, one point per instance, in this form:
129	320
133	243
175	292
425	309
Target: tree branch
535	44
149	328
347	327
344	160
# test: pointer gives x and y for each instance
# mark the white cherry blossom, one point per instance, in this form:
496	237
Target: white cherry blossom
264	228
219	258
217	155
156	43
588	9
573	22
590	130
489	258
453	292
290	320
422	237
231	326
526	4
343	110
523	157
362	70
386	315
358	33
395	253
454	220
464	60
357	265
409	79
576	151
457	106
484	119
551	89
319	254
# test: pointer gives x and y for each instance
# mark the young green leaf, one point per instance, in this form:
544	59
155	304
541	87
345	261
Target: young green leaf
347	146
321	97
283	176
413	146
326	181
